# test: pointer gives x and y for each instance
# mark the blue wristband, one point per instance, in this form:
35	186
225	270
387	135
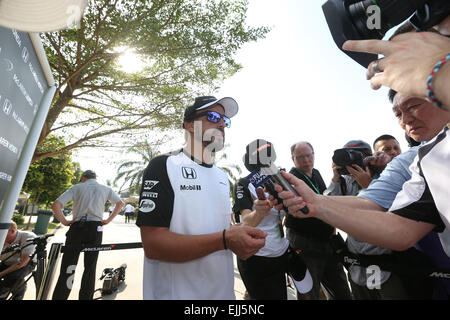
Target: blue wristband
430	92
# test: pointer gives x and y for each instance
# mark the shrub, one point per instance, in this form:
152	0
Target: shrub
18	218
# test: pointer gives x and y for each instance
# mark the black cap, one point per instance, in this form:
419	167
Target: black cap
259	153
89	174
229	105
357	144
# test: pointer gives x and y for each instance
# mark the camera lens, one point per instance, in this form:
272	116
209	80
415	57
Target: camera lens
360	15
391	13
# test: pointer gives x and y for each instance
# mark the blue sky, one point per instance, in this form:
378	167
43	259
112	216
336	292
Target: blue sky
295	85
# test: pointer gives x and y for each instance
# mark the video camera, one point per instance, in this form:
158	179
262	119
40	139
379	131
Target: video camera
347	157
369	19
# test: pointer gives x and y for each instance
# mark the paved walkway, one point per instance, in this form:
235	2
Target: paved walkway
120	232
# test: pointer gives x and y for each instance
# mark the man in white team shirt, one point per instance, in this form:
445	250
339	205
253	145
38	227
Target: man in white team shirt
184	214
129	212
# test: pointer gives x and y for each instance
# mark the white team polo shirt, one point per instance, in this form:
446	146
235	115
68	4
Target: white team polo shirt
189	199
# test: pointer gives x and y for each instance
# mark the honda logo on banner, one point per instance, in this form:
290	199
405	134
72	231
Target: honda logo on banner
188	173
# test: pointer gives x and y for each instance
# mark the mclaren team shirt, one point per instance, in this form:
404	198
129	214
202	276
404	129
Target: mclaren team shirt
425	197
189	199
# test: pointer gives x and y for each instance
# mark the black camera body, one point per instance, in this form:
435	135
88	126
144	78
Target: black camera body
347	157
368	19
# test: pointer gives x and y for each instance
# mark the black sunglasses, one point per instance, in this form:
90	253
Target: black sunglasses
213	116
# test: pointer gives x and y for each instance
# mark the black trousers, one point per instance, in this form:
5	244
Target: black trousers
318	255
85	234
10	279
264	277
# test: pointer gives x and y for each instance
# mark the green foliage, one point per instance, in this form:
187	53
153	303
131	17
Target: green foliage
132	171
187	49
229	169
18	218
48	178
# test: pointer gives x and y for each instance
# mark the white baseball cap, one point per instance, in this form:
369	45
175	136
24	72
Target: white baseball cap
41	15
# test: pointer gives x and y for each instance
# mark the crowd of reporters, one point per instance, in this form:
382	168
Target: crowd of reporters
368	177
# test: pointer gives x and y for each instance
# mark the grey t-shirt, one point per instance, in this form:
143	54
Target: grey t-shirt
89	198
11	258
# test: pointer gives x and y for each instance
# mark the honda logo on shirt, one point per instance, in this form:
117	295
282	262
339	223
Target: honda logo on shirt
189	173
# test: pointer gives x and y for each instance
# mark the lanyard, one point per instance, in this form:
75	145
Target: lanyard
316	189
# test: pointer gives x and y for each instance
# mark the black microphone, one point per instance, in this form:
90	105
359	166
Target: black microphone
260	156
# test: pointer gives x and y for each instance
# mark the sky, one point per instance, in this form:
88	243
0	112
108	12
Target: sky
295	85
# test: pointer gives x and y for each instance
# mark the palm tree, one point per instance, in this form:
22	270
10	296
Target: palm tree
228	168
132	170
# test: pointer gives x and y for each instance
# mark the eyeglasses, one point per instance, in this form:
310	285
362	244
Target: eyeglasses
213	116
303	157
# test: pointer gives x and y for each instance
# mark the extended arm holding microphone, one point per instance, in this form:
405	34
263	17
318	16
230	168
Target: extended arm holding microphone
277	178
383	229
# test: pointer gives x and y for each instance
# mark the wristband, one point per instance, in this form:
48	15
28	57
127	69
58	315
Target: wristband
223	238
430	92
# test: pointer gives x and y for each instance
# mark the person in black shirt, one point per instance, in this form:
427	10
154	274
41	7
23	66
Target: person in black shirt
312	236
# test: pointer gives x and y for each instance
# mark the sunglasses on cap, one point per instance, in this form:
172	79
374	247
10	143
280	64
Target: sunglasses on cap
213	116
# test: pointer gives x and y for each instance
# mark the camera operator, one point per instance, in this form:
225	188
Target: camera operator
312	236
16	264
351	178
410	63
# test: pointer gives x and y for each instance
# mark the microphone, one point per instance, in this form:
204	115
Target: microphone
259	160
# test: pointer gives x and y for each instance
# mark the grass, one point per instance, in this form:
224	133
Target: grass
51	226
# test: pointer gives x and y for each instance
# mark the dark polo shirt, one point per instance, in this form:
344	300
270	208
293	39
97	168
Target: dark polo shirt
310	227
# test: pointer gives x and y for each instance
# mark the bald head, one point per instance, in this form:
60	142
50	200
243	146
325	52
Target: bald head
303	156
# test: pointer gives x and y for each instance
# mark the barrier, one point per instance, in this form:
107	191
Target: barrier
55	254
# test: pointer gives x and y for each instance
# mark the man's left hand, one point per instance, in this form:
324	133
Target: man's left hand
363	177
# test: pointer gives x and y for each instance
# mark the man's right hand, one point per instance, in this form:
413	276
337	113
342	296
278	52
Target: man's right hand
294	203
245	241
67	222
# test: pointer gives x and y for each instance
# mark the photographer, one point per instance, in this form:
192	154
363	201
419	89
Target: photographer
351	178
16	264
